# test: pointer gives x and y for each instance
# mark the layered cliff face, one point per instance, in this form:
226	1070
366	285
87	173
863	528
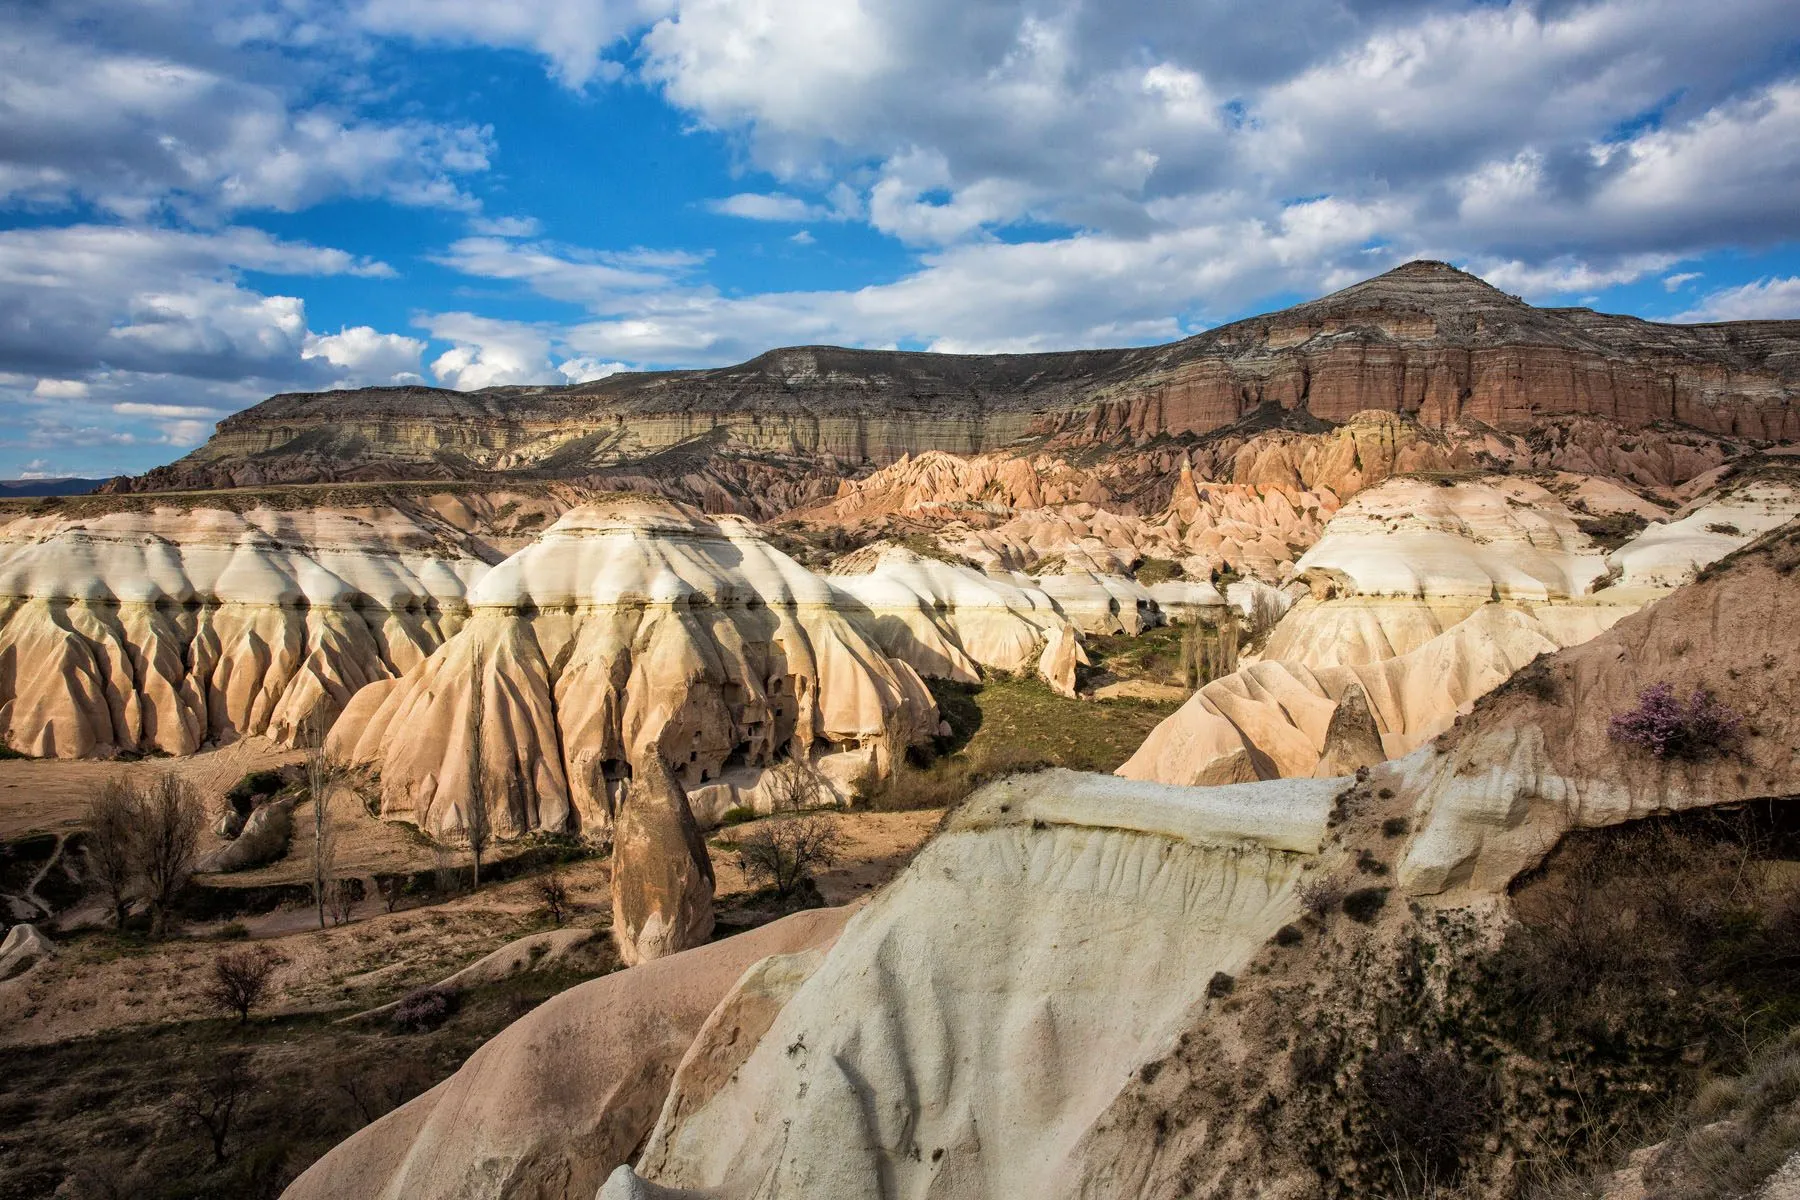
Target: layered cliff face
1425	598
160	628
775	433
633	635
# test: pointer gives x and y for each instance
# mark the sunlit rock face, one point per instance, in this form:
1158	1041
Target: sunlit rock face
950	621
631	631
1426	597
164	627
985	1008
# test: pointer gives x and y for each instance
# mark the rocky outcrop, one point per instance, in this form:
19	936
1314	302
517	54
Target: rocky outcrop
162	628
949	621
1424	340
554	1103
633	634
1531	762
22	949
912	1053
662	879
1425	598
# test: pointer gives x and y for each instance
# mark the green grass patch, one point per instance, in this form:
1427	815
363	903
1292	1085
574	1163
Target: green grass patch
1008	725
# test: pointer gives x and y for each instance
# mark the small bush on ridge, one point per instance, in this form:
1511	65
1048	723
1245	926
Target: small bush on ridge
1662	724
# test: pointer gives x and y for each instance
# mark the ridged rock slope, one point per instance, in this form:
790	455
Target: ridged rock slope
133	627
1428	596
633	634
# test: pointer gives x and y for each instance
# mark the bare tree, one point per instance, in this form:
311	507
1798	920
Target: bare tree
110	849
792	786
170	818
554	892
380	1088
392	889
340	900
218	1097
477	823
241	978
783	852
323	775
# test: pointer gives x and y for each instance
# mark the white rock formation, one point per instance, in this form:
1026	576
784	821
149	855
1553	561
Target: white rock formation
172	627
948	620
1668	554
1426	597
985	1008
632	629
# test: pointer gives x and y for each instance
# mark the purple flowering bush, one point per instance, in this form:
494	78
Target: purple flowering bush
1667	727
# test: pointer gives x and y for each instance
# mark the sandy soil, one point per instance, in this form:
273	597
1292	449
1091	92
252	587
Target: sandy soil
98	982
48	794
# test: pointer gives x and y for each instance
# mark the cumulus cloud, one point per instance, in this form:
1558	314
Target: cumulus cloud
155	333
573	35
108	107
1766	299
772	206
365	354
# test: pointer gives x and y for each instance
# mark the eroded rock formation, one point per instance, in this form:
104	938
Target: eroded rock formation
632	633
1429	596
137	628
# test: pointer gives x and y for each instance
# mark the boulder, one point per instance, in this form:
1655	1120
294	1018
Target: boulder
23	948
263	839
662	878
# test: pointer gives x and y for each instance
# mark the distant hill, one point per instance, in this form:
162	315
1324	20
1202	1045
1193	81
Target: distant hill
71	486
1424	340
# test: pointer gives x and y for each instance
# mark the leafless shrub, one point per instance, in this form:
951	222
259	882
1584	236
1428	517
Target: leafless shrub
340	900
376	1091
1321	897
446	875
783	852
554	892
1427	1109
110	850
218	1096
240	978
392	889
793	786
170	818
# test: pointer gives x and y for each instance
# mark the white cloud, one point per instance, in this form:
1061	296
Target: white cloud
773	206
584	369
366	355
566	273
505	227
112	108
1674	283
803	238
1766	299
572	34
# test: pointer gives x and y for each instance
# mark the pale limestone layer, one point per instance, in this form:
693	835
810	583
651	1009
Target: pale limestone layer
1436	595
631	632
949	621
167	629
916	1059
1498	538
1668	554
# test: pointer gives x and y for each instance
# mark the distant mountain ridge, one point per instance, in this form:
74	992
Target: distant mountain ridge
1424	339
69	485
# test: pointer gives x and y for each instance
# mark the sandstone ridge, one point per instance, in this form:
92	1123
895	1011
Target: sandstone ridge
1424	339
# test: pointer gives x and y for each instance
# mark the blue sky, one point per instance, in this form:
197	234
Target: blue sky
203	203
